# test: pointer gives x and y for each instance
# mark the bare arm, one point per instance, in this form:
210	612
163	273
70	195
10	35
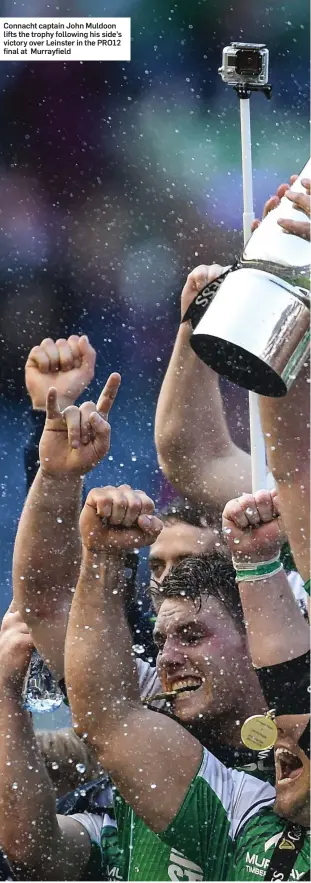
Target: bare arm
276	630
47	548
142	750
32	835
194	447
286	424
46	561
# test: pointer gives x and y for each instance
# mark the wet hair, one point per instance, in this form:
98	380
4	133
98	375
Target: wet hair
197	515
202	575
63	752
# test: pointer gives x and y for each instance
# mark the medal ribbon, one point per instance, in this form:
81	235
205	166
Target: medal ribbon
285	853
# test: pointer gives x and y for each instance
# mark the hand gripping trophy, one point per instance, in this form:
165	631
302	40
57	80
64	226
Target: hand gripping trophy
253	324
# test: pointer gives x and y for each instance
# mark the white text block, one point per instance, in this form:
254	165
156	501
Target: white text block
65	39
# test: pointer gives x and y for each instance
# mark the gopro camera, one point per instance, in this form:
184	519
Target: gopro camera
245	64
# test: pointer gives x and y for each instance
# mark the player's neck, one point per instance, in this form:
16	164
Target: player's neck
251	702
226	728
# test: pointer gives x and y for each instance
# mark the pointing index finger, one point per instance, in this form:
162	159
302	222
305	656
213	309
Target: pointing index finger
108	395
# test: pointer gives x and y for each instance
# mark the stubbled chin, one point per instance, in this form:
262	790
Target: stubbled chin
189	709
294	809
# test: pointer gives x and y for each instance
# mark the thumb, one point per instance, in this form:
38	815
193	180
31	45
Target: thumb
88	354
150	523
52	407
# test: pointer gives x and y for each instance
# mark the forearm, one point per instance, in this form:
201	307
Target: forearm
139	748
31	449
276	630
46	561
191	434
286	424
29	828
96	627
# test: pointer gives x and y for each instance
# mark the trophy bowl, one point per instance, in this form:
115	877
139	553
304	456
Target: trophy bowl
255	331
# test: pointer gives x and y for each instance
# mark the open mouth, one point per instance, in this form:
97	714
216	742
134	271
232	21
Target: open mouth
288	766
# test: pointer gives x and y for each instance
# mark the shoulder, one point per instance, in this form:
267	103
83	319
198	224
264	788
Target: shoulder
233	795
241	795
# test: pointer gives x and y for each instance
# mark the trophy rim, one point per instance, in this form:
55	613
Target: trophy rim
268	383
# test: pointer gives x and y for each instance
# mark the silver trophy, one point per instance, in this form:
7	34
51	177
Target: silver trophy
256	328
252	326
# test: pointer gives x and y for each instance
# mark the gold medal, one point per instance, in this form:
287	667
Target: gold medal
259	732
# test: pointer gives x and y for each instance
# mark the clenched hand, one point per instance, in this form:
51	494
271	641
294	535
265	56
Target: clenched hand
67	365
252	526
118	520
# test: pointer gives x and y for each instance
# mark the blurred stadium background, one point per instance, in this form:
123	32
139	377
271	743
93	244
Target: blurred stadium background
117	179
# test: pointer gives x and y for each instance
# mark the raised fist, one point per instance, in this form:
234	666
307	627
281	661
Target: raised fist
76	439
252	527
67	365
16	647
118	520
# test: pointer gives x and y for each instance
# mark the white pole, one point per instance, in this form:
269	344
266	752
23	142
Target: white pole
258	451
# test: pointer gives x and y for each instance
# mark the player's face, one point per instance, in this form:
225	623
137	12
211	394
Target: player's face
292	768
178	540
203	649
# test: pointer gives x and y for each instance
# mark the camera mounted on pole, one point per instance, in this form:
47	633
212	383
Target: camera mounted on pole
245	66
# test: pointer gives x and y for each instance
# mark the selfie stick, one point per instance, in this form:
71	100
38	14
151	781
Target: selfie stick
258	450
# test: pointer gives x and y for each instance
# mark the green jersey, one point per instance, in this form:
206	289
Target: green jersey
131	851
256	845
226	826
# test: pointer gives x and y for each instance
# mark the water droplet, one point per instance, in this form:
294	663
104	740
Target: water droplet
14	786
55	766
59	520
80	767
236	541
138	648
